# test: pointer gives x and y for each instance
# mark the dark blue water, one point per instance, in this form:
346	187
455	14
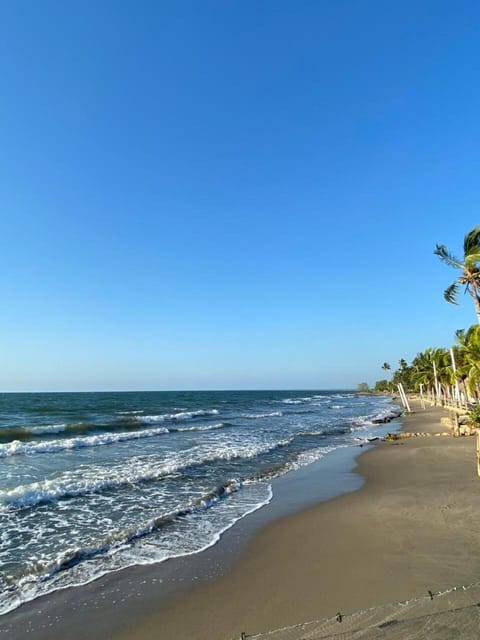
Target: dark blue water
95	482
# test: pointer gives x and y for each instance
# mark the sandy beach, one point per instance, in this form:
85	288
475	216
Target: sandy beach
414	526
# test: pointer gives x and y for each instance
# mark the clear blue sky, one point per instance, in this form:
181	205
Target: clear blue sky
231	193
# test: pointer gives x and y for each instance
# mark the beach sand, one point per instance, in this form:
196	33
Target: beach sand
413	526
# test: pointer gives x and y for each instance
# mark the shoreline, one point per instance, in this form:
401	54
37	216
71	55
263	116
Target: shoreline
301	561
139	589
413	526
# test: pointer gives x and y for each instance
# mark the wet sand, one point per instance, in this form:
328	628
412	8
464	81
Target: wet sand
414	526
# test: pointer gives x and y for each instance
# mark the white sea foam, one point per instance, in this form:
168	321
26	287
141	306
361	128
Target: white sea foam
198	427
129	413
182	415
83	481
316	432
52	446
16	447
115	554
46	429
310	456
255	416
388	413
305	458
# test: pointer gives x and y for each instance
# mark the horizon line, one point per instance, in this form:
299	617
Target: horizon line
183	390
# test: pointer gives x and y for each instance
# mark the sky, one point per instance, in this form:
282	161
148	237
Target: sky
227	194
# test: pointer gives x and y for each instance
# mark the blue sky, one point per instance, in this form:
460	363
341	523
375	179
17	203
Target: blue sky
229	193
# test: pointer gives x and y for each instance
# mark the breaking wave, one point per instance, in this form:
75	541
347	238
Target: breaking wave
125	419
17	447
81	482
174	417
255	416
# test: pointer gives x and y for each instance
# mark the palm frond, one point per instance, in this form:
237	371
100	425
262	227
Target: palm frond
471	243
442	252
450	294
473	258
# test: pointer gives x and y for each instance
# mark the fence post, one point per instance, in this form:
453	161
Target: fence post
477	440
403	397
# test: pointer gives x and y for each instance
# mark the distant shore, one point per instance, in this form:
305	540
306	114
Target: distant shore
412	527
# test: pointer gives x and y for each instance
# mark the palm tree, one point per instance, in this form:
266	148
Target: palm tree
469	269
423	373
423	370
403	375
446	377
469	369
385	366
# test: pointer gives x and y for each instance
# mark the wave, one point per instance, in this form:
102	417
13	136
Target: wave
387	415
72	557
17	447
254	416
312	455
82	481
80	566
67	444
306	434
119	540
174	417
96	480
129	413
304	400
123	420
49	428
201	427
302	459
28	432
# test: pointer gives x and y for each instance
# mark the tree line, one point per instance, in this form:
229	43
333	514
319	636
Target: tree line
453	374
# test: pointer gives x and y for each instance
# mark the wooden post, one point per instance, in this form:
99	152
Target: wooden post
403	396
406	399
457	425
454	367
477	440
437	386
421	397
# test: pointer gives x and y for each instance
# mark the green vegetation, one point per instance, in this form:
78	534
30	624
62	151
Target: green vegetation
382	386
469	270
448	375
432	371
475	416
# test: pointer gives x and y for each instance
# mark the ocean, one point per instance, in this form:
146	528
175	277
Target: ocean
91	483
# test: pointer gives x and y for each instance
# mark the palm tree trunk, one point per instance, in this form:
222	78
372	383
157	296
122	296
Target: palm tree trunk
476	301
465	393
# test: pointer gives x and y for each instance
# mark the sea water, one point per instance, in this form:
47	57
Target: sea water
91	483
